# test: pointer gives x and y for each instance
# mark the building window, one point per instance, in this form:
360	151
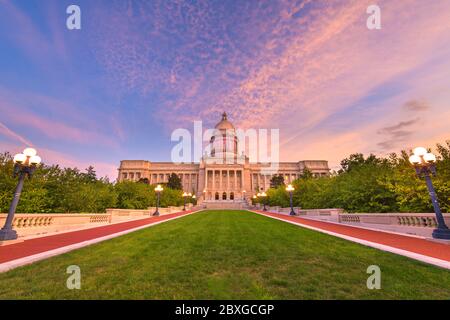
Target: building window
131	176
224	196
232	196
217	196
125	176
138	175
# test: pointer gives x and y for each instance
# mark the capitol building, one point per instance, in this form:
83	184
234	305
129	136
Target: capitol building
220	181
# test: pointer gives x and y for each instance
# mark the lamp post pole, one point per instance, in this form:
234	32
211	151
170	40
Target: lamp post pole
290	189
158	191
264	195
425	165
184	199
24	165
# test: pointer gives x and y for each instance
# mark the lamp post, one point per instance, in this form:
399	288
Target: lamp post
184	195
425	165
158	191
263	195
24	165
290	189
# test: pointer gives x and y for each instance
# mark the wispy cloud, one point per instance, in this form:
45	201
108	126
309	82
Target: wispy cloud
397	133
416	105
310	68
4	130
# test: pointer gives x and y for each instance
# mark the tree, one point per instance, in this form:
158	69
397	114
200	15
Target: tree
356	160
276	181
144	180
90	175
278	196
174	182
306	174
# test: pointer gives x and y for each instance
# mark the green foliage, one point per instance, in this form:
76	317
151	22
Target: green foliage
276	181
56	190
174	182
372	184
132	195
277	197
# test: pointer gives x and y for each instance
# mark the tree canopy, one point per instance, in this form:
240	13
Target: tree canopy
53	189
371	184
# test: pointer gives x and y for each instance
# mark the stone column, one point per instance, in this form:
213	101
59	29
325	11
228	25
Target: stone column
228	179
242	179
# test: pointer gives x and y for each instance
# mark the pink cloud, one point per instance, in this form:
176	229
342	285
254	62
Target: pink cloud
18	113
4	130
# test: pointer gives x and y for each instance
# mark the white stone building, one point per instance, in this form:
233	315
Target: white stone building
217	181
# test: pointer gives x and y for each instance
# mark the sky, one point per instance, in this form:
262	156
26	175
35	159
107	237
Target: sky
137	70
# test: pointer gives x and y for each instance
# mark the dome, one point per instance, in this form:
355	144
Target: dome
223	143
224	124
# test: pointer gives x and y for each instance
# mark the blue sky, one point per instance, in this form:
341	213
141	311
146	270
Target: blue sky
139	69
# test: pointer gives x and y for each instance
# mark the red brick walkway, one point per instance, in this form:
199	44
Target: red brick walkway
412	244
46	243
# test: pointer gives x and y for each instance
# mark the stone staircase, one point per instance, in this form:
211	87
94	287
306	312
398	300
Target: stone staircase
225	205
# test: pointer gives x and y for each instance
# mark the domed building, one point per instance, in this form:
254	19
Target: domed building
224	143
223	178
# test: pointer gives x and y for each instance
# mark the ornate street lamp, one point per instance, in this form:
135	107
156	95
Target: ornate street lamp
158	191
425	165
290	189
24	165
263	195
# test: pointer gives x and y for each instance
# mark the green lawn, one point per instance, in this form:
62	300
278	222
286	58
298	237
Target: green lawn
226	255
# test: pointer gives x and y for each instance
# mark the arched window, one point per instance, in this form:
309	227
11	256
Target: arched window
232	196
217	196
224	196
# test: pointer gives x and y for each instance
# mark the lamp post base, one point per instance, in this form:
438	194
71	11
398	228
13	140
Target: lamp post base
292	213
156	213
8	234
441	234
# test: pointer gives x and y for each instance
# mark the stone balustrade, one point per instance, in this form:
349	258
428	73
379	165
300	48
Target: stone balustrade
410	223
425	220
32	224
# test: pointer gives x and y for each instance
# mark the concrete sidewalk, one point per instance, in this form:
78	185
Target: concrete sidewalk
413	247
40	248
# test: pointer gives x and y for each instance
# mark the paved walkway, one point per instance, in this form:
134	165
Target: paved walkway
417	248
35	249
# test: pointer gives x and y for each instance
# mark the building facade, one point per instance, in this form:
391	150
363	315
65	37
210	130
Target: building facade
221	174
